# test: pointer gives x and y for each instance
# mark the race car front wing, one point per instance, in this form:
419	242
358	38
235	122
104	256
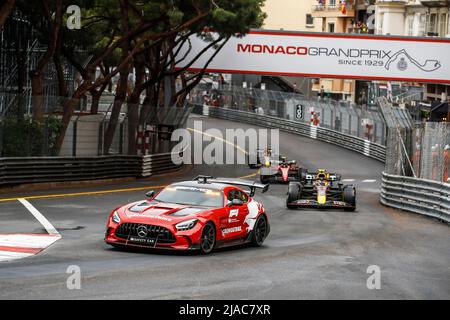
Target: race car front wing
331	204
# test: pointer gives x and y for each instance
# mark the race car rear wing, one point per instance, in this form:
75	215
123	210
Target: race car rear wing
252	185
312	176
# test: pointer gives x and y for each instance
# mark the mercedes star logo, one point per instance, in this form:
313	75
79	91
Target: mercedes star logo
142	231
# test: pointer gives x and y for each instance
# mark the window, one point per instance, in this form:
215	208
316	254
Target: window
443	24
237	194
432	25
332	3
410	25
331	27
422	24
309	19
188	195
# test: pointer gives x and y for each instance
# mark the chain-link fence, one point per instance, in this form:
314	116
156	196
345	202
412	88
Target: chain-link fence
342	116
399	138
86	134
431	151
421	150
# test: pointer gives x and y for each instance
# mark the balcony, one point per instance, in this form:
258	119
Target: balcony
435	3
331	11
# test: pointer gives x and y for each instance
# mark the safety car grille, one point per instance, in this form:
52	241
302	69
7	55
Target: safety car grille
127	230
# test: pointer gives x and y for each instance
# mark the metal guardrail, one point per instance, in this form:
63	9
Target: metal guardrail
365	147
426	197
55	169
158	163
14	171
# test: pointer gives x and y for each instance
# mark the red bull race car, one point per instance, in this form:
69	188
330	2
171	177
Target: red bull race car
321	190
202	214
282	171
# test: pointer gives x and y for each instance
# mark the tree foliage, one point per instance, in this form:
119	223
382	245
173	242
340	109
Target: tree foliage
135	35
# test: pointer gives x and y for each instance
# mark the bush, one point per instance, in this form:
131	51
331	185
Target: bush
27	138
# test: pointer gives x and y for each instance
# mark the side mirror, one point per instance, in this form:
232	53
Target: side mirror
150	194
235	203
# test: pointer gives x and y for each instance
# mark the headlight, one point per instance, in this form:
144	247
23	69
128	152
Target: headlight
186	225
116	217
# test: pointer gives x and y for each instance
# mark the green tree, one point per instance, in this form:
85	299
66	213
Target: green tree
140	35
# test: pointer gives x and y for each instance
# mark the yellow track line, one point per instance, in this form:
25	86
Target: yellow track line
78	194
219	138
93	193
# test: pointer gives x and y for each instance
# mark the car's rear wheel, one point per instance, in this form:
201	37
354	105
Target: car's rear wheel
208	240
302	174
250	164
349	195
264	179
260	232
294	193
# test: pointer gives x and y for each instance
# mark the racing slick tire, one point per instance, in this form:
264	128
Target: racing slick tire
208	238
302	174
259	233
264	179
349	195
252	165
294	193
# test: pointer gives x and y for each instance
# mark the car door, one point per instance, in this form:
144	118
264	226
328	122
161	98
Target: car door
234	226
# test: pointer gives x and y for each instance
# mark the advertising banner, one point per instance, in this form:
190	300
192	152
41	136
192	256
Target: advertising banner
327	55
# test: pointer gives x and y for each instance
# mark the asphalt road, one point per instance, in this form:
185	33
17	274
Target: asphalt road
309	254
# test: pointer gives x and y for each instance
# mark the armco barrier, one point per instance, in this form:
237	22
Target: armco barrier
368	148
14	171
427	197
158	163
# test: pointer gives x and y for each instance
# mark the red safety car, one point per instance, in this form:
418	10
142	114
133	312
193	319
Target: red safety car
202	214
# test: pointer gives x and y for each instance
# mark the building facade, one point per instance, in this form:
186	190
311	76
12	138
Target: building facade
314	16
418	18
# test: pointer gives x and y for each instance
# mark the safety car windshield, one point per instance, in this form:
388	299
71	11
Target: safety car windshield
191	196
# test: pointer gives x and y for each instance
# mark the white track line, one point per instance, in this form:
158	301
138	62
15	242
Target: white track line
369	180
348	180
10	255
43	220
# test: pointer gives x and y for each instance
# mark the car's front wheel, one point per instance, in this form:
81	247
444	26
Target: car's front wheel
294	193
349	195
260	232
208	240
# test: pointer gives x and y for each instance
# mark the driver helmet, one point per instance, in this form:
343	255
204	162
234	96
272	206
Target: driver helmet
321	174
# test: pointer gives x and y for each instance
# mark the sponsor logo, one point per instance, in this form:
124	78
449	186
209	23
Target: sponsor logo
233	213
231	230
313	51
354	56
160	218
150	216
142	231
403	59
262	48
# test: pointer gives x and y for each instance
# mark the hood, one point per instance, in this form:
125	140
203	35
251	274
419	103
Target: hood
151	212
